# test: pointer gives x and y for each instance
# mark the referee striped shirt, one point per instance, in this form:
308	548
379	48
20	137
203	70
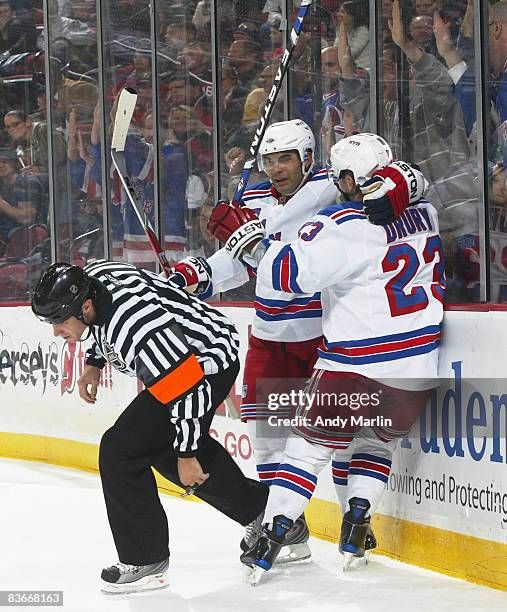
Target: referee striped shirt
149	328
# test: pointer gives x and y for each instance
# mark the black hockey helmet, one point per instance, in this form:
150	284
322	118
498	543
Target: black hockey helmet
61	293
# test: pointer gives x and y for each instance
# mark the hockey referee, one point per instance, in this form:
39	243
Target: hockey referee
186	354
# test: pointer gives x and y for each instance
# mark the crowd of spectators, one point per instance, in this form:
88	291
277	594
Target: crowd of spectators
427	87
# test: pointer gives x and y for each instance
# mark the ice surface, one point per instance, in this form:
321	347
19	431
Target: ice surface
55	535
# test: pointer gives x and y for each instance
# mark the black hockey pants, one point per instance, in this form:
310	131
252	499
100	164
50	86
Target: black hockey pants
143	437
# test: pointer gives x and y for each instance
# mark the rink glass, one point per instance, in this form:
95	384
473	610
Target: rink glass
202	70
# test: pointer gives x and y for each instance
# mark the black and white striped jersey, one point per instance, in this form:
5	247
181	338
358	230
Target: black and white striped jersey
149	328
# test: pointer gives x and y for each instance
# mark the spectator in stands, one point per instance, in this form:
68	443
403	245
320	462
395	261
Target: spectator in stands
202	15
272	11
75	30
80	96
245	56
421	31
424	7
456	198
15	36
41	111
275	49
178	33
191	135
355	16
196	59
437	132
332	128
129	76
242	136
84	169
462	70
234	96
22	199
185	90
33	139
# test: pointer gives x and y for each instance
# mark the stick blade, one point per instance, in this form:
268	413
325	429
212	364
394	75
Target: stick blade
124	112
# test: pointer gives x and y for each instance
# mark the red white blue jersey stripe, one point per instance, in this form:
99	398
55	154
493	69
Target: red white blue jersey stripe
340	472
364	464
261	191
294	478
261	412
284	310
383	348
340	213
267	472
285	271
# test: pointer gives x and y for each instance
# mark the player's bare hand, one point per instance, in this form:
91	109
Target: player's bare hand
190	472
88	383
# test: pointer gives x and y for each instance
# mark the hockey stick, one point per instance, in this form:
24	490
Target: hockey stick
124	112
270	102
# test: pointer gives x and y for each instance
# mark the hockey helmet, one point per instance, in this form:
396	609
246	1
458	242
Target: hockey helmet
294	135
362	154
61	293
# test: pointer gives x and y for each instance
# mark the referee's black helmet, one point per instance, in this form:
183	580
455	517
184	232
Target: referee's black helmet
61	293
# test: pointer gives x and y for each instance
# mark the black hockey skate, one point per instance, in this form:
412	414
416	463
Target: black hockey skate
295	548
370	542
354	534
124	578
261	556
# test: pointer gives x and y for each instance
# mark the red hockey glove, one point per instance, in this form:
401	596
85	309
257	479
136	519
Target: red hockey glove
390	190
192	274
236	226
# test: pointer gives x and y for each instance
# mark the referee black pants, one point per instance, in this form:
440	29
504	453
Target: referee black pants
143	437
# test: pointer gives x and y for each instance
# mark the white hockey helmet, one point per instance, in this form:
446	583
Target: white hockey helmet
294	135
362	154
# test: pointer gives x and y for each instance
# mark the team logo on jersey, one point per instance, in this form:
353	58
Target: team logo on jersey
244	391
114	359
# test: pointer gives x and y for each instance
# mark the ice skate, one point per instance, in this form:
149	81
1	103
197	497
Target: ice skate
370	544
260	558
354	532
123	578
296	546
252	533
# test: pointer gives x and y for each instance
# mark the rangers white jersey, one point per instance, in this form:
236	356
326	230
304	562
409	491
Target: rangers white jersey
279	315
381	287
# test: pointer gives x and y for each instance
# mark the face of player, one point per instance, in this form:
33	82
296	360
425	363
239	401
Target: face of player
71	330
347	185
284	170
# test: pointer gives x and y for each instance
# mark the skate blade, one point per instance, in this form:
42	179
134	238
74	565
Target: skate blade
148	583
253	575
351	562
293	553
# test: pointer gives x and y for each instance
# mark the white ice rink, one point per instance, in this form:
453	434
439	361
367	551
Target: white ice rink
55	536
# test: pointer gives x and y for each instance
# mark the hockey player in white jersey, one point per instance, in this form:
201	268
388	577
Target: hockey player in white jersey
287	326
382	306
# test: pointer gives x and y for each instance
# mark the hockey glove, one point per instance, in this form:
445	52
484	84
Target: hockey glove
192	274
391	190
236	226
